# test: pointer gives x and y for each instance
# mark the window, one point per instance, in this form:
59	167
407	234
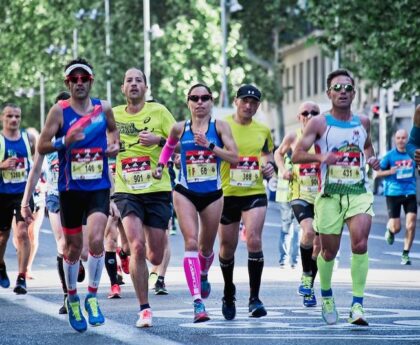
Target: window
316	81
323	75
308	77
301	80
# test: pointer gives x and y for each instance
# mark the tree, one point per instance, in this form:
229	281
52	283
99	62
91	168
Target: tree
377	41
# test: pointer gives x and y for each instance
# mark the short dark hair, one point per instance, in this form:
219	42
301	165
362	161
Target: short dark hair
141	71
199	85
77	61
336	73
10	105
63	95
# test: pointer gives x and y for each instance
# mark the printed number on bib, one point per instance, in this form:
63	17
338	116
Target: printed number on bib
308	176
86	164
136	172
201	166
246	173
346	170
18	174
404	169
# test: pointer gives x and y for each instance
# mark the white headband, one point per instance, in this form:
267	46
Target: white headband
78	65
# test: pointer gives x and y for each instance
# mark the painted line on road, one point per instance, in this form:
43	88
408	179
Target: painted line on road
111	329
46	231
366	294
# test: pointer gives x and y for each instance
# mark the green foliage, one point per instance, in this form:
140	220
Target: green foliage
377	41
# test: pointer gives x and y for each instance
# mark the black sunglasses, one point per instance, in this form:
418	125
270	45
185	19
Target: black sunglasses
75	78
307	113
339	87
204	98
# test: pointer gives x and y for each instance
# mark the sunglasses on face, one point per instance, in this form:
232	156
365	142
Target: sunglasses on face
307	113
76	78
203	98
339	87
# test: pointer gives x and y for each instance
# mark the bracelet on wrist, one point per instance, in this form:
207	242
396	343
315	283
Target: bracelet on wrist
59	143
162	142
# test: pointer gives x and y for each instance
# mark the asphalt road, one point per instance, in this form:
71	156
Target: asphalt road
392	301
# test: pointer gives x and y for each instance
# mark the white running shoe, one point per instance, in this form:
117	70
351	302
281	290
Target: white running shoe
357	315
145	318
329	312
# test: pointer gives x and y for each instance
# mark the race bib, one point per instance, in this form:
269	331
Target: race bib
17	175
308	177
201	166
404	169
87	164
246	173
346	170
136	172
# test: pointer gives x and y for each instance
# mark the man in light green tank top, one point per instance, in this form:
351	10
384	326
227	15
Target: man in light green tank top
343	148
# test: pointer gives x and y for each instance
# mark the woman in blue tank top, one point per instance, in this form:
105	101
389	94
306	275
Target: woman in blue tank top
198	197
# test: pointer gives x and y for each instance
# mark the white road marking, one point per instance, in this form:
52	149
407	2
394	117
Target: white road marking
366	294
115	330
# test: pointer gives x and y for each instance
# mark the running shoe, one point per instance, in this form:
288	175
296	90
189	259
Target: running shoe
357	315
115	291
160	288
63	309
305	288
82	273
200	314
405	260
4	279
96	318
20	288
145	318
205	287
153	277
120	280
389	237
256	308
282	264
309	300
228	308
76	318
125	261
329	312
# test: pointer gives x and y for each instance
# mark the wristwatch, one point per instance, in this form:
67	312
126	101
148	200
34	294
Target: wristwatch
211	146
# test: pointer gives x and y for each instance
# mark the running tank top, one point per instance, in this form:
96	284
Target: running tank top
304	183
13	181
347	140
84	166
200	167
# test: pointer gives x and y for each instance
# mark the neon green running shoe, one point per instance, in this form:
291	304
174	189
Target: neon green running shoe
389	237
357	315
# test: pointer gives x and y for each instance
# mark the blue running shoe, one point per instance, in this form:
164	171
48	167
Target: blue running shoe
20	288
256	308
305	287
4	279
309	300
76	318
96	318
205	288
200	314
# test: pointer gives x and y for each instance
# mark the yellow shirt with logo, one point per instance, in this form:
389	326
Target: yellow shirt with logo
245	178
135	162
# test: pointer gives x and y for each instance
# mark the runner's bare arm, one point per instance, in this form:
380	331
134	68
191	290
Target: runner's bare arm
288	141
369	150
113	134
52	125
230	151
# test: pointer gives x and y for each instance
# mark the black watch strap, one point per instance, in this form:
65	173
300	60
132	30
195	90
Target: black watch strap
211	146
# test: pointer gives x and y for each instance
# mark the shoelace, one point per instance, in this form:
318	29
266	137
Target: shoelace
75	309
329	305
146	314
93	303
307	281
199	308
357	309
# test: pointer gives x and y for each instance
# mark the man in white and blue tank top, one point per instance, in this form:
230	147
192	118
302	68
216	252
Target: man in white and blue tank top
343	148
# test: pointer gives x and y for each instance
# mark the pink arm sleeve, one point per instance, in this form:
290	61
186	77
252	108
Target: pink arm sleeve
168	150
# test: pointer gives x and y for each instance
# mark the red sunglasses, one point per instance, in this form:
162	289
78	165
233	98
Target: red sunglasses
76	78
